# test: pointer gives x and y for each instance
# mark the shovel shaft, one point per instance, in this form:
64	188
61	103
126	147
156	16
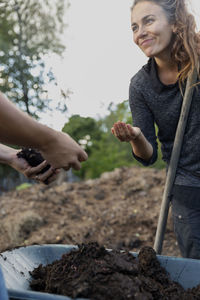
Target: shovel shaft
171	173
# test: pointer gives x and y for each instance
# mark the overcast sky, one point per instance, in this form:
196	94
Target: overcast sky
100	57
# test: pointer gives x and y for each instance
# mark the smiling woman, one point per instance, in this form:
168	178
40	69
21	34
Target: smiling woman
163	27
149	22
165	32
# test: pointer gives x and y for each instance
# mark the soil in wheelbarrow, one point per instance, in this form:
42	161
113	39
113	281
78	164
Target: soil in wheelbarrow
95	273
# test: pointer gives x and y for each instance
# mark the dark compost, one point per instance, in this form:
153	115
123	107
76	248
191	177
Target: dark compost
93	272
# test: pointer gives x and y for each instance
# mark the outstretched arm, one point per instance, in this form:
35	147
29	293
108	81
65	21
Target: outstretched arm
126	133
57	148
9	156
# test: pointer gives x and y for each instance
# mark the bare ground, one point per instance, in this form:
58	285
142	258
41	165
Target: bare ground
118	210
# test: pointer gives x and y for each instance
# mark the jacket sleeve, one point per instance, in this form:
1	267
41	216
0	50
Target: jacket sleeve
143	118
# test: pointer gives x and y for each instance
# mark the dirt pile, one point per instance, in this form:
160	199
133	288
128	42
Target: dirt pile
118	210
94	273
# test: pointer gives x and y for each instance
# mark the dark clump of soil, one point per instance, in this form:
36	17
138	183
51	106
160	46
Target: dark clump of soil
93	272
34	158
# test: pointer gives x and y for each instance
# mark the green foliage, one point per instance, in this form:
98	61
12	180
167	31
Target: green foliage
84	130
23	186
104	150
121	112
107	155
29	30
87	133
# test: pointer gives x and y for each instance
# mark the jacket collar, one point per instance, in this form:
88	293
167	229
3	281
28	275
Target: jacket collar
151	71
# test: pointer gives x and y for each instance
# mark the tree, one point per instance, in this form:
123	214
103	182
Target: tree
29	30
104	150
86	132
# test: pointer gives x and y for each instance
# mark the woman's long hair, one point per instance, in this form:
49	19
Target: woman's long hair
184	48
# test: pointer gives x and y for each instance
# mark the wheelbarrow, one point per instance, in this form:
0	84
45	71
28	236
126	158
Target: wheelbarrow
16	265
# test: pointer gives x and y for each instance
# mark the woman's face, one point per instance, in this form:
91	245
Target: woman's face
151	29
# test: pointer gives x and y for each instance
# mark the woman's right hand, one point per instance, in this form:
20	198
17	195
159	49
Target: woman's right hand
125	132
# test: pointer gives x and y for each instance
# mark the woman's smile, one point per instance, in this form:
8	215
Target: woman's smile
147	42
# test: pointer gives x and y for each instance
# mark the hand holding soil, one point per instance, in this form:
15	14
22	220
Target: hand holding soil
31	163
57	148
19	162
44	177
63	152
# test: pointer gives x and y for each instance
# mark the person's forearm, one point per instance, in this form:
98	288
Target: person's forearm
6	154
141	147
18	128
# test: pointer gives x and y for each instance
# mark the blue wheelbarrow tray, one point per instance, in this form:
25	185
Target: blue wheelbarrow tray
17	263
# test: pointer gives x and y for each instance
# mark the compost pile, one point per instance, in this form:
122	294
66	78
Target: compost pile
93	272
119	210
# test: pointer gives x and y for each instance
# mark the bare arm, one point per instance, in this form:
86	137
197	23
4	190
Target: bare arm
6	154
19	128
9	157
126	133
58	148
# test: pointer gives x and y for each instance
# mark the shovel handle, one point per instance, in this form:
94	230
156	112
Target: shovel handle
171	173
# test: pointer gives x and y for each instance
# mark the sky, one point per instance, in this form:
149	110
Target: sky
99	60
